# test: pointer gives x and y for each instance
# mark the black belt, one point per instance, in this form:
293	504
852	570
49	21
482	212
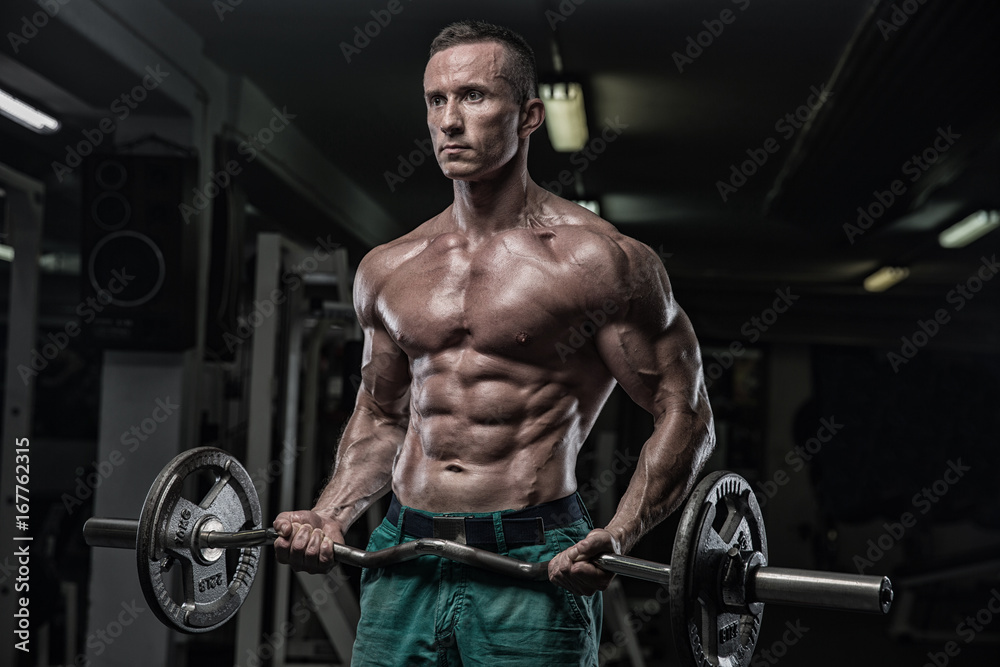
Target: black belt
520	527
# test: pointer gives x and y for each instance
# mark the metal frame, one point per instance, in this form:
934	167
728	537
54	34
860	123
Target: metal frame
283	338
26	207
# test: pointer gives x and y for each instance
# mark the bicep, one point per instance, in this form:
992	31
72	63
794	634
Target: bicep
385	374
651	348
385	371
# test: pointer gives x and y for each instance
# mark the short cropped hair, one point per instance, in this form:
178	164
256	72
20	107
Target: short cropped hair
519	66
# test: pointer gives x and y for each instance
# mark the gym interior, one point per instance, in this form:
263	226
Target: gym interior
182	222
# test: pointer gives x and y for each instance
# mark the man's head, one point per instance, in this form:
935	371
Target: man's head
480	90
519	64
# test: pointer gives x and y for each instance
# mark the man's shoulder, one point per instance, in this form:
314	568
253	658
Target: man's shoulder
595	241
383	259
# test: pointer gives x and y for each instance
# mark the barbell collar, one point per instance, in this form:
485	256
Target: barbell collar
829	590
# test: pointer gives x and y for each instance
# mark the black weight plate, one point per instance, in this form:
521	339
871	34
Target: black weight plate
720	514
212	590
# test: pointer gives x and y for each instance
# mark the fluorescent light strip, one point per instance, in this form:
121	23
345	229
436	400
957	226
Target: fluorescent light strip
26	115
968	230
6	253
885	278
565	117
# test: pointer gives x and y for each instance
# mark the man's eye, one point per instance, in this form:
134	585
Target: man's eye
437	101
475	95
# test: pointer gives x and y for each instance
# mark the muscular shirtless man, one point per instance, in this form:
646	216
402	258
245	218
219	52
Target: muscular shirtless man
469	406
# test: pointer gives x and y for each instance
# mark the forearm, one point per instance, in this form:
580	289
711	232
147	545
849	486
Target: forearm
362	471
667	469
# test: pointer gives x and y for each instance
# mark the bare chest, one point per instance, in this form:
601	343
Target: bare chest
510	298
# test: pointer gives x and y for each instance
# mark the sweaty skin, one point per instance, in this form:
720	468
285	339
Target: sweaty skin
478	388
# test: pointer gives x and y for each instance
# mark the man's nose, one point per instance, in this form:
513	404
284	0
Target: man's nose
451	120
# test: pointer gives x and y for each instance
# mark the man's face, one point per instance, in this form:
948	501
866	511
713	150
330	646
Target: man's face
471	111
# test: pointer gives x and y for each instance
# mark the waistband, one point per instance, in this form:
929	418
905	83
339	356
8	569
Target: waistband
479	529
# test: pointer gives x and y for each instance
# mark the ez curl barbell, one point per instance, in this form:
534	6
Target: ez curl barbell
719	579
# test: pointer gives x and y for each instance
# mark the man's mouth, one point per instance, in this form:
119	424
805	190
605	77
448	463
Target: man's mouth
451	149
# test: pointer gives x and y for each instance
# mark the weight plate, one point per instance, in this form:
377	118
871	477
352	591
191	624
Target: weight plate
721	514
213	583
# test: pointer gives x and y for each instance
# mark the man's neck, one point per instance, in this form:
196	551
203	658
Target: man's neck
483	208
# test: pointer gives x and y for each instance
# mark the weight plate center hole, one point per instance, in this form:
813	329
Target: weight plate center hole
209	554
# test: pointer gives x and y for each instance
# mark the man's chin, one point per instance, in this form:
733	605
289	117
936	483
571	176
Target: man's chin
460	172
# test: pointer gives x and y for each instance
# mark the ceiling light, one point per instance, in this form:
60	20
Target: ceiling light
6	253
968	230
885	278
564	115
60	262
26	115
591	205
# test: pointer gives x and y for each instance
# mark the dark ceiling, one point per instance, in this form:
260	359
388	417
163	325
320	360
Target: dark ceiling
896	81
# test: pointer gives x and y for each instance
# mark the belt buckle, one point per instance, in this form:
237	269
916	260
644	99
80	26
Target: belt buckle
449	528
540	525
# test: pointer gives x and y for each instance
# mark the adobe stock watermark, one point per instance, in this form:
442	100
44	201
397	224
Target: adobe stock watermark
407	166
566	9
300	611
275	467
967	631
87	311
771	655
223	7
752	330
121	108
639	616
636	618
900	16
598	484
363	35
101	639
923	500
578	336
249	148
582	158
714	28
131	439
915	167
291	280
785	126
927	329
31	25
796	458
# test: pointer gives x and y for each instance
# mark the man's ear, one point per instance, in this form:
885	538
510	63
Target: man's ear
532	116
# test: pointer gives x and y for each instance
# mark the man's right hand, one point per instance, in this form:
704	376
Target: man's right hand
305	540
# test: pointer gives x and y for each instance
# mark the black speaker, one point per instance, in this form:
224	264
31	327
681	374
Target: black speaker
138	252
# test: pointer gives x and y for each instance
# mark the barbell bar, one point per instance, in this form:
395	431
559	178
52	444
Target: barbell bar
768	585
718	579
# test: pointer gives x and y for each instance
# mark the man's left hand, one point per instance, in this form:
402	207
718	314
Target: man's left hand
573	570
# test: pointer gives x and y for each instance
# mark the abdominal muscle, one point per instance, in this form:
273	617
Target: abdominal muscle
494	436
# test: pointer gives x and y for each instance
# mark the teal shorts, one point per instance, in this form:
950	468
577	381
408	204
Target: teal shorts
432	611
